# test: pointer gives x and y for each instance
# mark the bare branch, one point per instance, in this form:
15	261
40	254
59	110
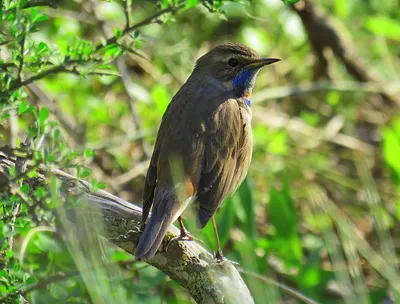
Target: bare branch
49	3
324	34
128	13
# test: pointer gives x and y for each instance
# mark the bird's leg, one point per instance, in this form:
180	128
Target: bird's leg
184	236
219	255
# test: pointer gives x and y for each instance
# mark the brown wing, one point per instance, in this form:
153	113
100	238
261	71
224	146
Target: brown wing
227	155
176	137
151	176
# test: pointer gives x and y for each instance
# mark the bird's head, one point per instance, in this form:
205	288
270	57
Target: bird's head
232	66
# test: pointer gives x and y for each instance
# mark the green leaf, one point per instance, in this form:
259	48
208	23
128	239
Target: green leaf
42	48
391	149
3	289
342	7
43	114
283	216
35	18
191	3
59	292
31	280
41	18
24	107
85	173
225	219
161	98
278	143
247	202
25	188
290	1
89	153
389	28
282	212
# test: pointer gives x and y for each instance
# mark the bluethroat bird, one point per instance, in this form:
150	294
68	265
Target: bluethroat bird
206	132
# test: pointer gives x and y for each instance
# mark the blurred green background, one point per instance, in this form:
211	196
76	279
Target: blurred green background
319	210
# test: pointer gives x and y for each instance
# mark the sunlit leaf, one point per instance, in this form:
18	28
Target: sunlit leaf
245	193
387	27
43	114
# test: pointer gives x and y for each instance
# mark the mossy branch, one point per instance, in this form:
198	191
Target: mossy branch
187	263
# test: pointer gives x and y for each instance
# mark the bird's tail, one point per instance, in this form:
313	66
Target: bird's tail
164	213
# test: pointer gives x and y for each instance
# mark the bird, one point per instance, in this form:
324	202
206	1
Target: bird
204	145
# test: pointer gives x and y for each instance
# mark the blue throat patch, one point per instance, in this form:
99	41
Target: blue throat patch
244	83
244	77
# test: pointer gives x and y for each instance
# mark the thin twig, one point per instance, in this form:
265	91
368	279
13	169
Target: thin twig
51	3
70	126
21	61
121	140
65	275
63	67
20	165
126	80
285	288
281	120
27	239
53	70
323	86
138	169
13	128
128	13
147	21
31	208
187	263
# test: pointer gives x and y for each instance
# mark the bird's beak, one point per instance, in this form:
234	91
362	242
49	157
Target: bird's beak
258	63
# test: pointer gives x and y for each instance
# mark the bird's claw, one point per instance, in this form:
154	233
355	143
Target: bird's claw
220	260
185	237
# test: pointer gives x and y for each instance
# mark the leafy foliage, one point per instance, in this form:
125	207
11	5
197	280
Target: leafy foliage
83	86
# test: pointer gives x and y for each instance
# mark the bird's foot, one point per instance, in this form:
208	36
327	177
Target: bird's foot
185	236
220	260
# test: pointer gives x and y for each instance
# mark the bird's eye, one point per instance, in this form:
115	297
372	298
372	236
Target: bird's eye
233	62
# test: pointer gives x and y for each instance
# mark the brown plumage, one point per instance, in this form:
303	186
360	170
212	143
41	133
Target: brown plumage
204	144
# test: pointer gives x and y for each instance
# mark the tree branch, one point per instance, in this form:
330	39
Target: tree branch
63	67
187	263
323	34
